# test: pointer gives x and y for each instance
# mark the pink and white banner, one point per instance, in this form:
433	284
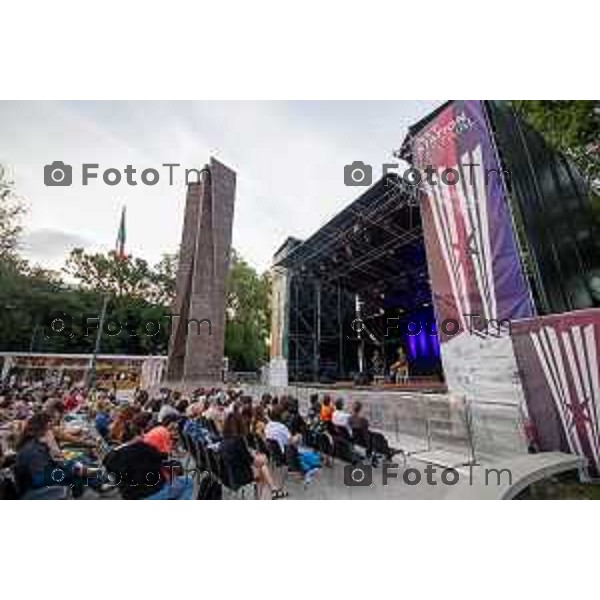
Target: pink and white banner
558	359
472	252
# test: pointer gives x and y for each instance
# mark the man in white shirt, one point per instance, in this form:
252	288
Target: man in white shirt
340	417
277	431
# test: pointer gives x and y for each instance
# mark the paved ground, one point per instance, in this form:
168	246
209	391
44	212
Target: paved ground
426	475
330	485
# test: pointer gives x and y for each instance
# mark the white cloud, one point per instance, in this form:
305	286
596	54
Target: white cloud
289	157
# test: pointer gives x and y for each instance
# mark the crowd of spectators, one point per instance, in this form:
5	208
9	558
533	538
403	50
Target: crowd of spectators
54	439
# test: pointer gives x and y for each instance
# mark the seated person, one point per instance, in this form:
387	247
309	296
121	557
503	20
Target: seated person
62	434
374	442
102	420
37	463
216	413
341	418
314	409
71	401
295	423
259	422
399	369
196	429
358	423
275	430
240	464
326	409
303	459
166	410
142	471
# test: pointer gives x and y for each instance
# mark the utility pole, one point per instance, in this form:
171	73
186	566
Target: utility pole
91	378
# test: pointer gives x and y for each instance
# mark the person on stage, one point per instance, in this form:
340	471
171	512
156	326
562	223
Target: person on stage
399	369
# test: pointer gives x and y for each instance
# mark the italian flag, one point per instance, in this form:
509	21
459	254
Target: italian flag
121	236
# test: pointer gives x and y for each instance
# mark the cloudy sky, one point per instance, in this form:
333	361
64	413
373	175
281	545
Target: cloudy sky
289	157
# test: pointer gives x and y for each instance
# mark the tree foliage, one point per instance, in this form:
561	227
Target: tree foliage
12	209
248	315
138	294
573	127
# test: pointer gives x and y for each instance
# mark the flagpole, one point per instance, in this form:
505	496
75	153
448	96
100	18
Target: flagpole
119	253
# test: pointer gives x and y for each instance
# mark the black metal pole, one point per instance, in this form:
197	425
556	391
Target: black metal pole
91	382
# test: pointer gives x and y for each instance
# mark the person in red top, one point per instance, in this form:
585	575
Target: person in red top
70	402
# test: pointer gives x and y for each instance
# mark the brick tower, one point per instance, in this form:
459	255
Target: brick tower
198	332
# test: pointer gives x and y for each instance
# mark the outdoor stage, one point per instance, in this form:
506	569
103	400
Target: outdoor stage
357	293
396	278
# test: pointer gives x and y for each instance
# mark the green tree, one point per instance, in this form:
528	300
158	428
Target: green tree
127	276
573	127
12	208
163	279
248	316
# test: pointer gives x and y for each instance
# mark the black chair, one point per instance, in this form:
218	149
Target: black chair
379	445
188	446
344	449
209	488
199	455
213	462
239	482
8	487
362	438
325	443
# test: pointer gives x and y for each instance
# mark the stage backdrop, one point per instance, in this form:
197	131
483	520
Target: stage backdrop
558	360
472	254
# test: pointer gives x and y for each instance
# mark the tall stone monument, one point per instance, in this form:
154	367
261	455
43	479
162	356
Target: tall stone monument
198	326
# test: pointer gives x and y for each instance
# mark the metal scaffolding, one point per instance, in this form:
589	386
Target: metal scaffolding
373	250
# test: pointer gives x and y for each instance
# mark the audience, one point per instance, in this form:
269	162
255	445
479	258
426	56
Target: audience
140	441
